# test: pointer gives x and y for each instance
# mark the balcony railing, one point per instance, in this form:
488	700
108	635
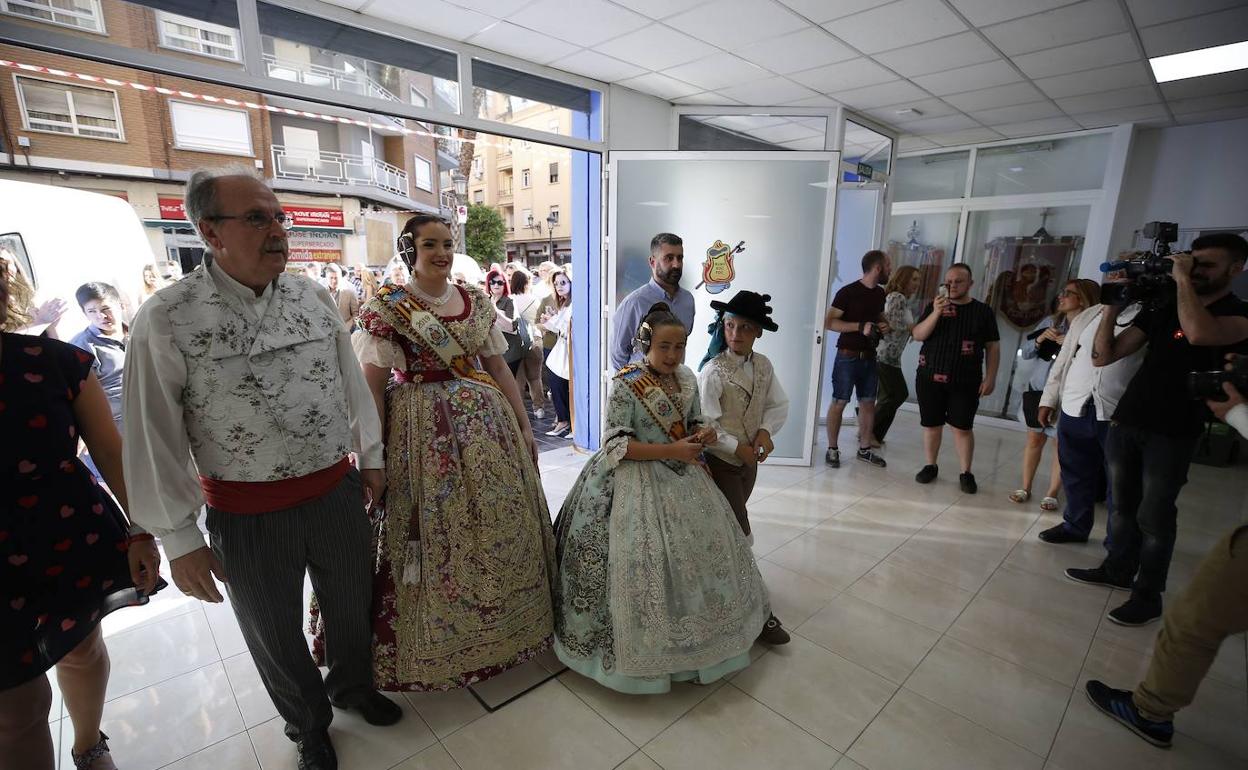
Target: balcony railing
338	168
504	192
353	82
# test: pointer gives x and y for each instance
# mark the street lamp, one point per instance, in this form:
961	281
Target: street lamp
551	221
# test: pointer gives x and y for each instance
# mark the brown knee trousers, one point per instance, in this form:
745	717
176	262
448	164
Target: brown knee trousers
736	482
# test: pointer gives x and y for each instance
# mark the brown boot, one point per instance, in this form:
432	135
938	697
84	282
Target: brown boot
773	633
94	758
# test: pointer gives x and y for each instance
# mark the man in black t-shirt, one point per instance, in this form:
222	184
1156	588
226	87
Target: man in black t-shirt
1155	428
959	335
857	313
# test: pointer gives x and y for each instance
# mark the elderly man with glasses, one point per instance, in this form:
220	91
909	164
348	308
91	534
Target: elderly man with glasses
252	404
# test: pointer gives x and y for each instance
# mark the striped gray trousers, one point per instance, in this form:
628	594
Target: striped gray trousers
265	557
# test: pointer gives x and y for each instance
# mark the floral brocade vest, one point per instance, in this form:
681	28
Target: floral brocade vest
264	399
743	400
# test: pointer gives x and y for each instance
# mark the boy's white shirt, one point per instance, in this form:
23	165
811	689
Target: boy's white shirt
711	388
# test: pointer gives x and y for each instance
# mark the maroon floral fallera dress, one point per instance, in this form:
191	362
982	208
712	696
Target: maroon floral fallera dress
62	537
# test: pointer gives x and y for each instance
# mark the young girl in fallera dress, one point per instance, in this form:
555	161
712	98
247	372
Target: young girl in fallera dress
657	583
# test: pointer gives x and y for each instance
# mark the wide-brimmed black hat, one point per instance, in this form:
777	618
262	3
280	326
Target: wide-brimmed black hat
749	305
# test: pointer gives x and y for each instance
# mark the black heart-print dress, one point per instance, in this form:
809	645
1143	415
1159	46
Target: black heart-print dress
63	559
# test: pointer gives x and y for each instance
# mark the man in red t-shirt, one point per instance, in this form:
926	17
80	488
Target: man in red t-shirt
857	313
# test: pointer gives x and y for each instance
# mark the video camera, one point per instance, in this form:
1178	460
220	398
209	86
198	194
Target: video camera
1208	385
1148	272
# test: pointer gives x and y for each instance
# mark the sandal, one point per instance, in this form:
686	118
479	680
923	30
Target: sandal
95	758
1020	495
1048	504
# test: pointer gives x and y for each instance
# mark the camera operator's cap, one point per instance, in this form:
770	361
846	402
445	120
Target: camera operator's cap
751	306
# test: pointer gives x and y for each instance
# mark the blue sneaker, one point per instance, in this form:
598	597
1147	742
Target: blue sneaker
1118	705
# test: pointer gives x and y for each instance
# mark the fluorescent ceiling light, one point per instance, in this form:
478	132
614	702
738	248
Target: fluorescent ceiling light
1205	61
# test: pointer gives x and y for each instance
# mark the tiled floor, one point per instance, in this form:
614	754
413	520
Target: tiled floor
931	630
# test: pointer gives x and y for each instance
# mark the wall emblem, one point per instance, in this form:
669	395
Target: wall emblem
718	271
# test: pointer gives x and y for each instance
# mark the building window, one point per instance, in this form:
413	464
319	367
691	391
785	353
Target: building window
478	197
424	173
478	168
554	173
525	181
79	14
199	37
554	214
527	217
553	126
66	109
210	129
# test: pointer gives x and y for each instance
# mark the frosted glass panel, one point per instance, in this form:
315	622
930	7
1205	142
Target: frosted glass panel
1019	274
1056	165
926	241
780	209
931	177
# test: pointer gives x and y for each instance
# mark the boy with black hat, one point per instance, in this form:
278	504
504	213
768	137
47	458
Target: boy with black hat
743	400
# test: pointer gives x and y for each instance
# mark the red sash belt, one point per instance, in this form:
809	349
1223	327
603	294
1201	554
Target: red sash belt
252	497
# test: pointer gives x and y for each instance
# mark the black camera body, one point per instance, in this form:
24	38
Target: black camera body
1149	280
1208	385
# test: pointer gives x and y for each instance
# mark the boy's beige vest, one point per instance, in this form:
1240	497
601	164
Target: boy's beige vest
264	400
743	400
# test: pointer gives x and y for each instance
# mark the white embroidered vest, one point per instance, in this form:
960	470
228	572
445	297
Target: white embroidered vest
742	410
264	399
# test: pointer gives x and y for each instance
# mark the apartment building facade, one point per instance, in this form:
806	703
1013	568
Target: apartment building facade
348	179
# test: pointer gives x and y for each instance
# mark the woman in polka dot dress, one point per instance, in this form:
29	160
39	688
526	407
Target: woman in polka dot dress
67	554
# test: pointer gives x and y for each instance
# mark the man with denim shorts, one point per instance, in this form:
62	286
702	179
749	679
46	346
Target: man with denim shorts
957	367
856	312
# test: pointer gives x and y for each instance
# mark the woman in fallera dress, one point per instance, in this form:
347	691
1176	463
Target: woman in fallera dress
657	583
465	553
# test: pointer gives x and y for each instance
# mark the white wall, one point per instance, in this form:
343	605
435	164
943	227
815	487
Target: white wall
1194	175
638	121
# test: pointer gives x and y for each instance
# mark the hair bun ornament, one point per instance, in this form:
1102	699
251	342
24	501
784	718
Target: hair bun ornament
766	298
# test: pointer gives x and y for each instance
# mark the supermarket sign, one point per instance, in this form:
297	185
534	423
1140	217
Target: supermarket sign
301	216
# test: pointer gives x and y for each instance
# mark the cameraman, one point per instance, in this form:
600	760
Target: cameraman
1156	425
1214	606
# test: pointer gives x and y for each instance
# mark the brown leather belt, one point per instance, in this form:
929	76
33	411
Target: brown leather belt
856	353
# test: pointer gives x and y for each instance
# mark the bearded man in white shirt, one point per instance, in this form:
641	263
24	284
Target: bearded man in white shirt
252	401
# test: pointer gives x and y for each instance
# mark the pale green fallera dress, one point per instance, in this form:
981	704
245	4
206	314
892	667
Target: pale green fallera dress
656	582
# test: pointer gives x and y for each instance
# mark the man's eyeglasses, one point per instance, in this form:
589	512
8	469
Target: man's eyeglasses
259	220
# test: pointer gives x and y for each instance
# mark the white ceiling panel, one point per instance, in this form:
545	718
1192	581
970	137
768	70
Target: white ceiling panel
969	136
1219	28
981	13
1207	103
845	76
1230	113
746	123
732	24
594	65
937	55
522	43
941	125
1090	54
801	50
814	101
1224	83
896	25
1134	73
717	71
498	8
656	9
1144	113
1071	24
1036	127
661	86
974	77
706	97
927	108
820	11
583	22
785	132
656	48
443	18
997	96
914	144
896	92
771	91
1018	113
1108	100
1146	13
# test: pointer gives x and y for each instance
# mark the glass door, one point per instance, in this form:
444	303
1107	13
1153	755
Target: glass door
779	207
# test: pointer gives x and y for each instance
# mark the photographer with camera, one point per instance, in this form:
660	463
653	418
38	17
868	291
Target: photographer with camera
1214	606
1156	426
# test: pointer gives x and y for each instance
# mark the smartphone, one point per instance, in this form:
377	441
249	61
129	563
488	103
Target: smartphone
942	291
